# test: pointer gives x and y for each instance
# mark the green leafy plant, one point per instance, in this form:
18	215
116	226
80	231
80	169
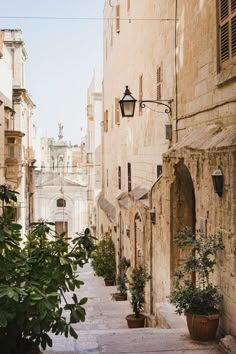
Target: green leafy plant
200	297
34	280
138	278
103	258
87	242
122	279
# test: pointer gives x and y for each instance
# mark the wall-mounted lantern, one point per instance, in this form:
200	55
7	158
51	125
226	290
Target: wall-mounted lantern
127	104
128	231
218	181
153	215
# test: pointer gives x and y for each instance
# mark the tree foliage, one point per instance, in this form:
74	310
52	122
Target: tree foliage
200	297
35	277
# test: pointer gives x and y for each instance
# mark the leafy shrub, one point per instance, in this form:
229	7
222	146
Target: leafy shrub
103	258
137	282
122	279
34	280
200	297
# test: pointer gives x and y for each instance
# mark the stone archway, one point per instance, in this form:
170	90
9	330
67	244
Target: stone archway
138	240
182	211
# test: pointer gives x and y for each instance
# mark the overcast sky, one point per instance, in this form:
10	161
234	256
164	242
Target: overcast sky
62	55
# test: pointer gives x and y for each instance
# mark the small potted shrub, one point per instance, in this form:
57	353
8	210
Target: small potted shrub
198	299
103	260
138	278
34	279
121	281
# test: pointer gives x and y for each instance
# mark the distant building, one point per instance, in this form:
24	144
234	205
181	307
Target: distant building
16	108
93	145
61	186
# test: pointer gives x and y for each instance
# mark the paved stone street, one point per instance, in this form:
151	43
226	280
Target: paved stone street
105	330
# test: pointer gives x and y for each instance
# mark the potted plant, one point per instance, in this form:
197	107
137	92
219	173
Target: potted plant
103	260
121	281
196	296
34	278
138	278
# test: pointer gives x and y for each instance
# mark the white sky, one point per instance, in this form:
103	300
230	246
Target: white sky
62	55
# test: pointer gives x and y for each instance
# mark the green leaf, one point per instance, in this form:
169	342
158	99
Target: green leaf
63	261
3	320
83	301
73	333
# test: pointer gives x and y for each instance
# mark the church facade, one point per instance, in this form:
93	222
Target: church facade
61	186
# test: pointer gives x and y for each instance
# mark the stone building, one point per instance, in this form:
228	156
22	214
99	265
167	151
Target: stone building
187	55
93	144
132	148
16	108
61	186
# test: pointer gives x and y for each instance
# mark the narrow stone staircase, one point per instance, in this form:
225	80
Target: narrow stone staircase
105	329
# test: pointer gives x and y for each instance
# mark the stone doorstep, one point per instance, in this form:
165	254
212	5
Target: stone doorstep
167	318
228	344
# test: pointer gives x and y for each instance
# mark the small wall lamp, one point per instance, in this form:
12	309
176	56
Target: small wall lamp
218	181
127	104
153	215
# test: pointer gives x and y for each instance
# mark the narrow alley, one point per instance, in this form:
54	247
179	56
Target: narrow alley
105	330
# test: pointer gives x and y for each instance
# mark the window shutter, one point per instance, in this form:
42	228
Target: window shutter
233	34
159	83
233	6
118	18
117	111
140	89
227	31
224	9
224	42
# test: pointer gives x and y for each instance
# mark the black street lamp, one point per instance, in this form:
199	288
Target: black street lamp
218	181
127	104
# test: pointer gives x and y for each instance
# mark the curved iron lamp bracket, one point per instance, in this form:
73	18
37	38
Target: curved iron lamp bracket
166	103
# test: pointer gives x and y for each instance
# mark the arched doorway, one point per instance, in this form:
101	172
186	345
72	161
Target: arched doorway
182	211
139	240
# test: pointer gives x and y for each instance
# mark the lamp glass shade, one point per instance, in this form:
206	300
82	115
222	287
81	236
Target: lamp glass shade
127	104
217	179
153	215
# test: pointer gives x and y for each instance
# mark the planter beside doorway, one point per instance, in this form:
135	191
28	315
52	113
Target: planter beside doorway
135	322
202	327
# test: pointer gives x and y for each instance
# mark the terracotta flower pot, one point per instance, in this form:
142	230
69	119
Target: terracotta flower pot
108	282
119	297
202	327
135	322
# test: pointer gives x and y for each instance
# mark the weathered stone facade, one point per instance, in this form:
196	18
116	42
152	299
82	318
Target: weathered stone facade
184	39
16	110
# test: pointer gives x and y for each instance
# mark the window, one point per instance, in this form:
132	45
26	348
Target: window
117	111
227	32
89	157
61	203
11	147
118	18
119	177
159	170
11	140
128	5
140	90
90	194
105	121
159	83
111	35
129	177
